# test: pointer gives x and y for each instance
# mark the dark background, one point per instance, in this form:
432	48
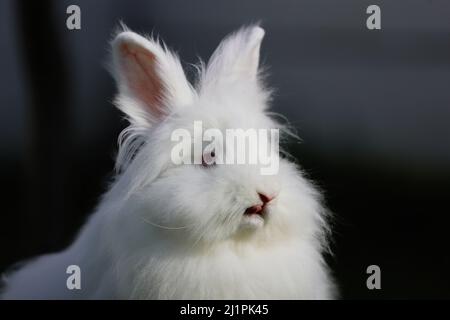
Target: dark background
372	108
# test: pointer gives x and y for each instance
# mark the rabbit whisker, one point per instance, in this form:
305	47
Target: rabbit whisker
164	227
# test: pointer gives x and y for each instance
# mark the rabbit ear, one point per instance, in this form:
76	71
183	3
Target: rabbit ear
150	78
236	58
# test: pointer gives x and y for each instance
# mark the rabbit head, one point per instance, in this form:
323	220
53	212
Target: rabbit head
205	203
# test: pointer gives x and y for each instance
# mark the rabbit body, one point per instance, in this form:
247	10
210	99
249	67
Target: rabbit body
170	231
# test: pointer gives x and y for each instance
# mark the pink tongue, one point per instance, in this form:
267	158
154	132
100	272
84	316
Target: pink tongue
254	210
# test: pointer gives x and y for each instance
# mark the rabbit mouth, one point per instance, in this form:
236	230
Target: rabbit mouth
255	215
261	208
253	220
255	211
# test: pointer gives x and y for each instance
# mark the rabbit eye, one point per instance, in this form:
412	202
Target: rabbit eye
208	158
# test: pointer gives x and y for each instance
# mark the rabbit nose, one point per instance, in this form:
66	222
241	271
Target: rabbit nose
265	198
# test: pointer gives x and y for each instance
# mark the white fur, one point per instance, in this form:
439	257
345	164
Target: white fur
178	232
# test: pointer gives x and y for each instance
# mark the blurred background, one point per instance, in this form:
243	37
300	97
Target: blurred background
372	108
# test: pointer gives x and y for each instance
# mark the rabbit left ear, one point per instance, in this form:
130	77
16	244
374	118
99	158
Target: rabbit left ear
237	57
150	78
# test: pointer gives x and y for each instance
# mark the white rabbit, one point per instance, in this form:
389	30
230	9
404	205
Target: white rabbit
167	231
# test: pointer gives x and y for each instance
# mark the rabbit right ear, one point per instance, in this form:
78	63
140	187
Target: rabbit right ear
150	79
236	59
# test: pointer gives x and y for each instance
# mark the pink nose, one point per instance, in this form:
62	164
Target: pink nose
265	198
